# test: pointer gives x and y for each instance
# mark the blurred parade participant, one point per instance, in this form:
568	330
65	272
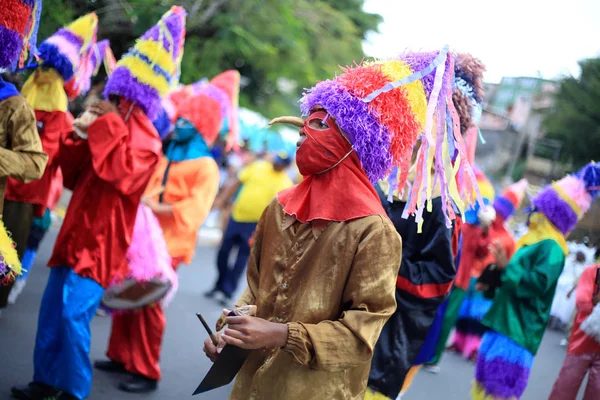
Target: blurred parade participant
45	92
583	353
107	163
521	307
21	155
190	177
475	255
563	309
325	257
469	330
467	97
258	184
425	277
427	269
77	85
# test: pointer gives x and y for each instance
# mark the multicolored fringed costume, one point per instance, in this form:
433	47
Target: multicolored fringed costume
474	257
189	177
467	97
469	330
385	108
518	316
107	173
61	56
78	85
21	155
18	26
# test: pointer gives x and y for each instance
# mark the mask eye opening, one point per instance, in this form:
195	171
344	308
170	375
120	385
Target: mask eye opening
318	124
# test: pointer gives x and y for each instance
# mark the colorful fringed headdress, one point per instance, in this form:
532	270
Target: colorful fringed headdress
566	201
98	54
468	90
511	199
151	68
213	107
487	191
64	50
19	21
385	107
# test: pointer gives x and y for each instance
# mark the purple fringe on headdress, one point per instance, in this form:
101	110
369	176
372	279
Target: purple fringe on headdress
175	26
10	48
70	37
370	139
418	62
123	84
98	56
562	216
503	207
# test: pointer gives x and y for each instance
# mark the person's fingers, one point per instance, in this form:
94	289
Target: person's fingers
234	342
237	320
238	334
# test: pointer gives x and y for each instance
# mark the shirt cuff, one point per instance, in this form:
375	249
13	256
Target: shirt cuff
298	344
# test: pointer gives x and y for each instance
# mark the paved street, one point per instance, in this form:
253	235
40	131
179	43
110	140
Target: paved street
183	362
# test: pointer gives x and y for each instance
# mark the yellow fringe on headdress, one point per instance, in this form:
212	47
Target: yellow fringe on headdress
145	74
415	92
85	28
9	253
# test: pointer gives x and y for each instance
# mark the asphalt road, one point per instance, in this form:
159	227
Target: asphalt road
183	362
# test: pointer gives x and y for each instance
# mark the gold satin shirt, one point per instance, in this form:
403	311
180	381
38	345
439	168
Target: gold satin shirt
21	153
334	284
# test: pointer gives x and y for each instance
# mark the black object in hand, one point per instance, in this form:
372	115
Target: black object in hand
491	276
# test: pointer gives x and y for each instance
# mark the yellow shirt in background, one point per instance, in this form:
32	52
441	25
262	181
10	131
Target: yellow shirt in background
260	184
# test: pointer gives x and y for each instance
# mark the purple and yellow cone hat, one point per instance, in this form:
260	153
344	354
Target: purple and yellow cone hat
64	50
19	22
566	201
387	108
151	68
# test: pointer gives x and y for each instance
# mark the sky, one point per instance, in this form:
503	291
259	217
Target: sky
511	37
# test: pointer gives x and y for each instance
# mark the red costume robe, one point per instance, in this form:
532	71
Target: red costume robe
107	174
51	126
191	188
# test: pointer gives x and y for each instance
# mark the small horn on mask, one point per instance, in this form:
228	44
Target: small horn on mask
296	121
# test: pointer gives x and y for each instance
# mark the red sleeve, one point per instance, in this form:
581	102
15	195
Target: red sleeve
585	290
481	245
114	157
72	157
51	126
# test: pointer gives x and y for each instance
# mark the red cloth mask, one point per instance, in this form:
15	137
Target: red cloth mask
324	147
336	188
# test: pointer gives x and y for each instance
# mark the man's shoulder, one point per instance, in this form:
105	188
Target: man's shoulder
14	103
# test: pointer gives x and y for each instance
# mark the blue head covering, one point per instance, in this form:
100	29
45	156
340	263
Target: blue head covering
187	143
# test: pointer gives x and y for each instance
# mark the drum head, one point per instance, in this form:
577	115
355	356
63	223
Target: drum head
131	294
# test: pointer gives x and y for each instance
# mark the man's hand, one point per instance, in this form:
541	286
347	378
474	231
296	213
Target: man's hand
157	208
500	254
254	333
212	351
103	107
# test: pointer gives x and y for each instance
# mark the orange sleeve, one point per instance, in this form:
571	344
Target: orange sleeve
191	212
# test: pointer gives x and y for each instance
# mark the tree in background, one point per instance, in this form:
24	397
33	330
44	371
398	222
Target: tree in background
279	46
575	119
